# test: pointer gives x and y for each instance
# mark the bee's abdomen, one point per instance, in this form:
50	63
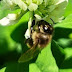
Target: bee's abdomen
43	42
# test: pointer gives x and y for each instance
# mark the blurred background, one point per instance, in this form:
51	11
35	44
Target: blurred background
12	42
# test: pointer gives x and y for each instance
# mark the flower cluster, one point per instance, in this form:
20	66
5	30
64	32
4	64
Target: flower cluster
32	5
47	9
41	9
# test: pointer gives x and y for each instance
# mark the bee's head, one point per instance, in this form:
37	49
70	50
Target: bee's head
42	27
45	27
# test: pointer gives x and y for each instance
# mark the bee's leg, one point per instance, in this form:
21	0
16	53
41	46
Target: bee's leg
29	42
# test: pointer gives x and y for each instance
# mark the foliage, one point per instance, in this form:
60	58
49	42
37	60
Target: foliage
56	57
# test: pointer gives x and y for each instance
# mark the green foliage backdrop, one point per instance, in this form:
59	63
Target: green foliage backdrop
56	57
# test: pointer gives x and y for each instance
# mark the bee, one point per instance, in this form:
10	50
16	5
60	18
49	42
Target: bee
40	36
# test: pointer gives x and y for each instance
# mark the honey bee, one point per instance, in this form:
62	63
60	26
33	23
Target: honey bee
40	36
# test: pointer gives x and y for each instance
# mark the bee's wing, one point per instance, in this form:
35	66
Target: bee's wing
31	53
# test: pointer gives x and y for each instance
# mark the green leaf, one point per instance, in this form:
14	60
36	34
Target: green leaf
67	63
67	23
68	8
34	68
3	69
5	40
65	42
3	13
68	52
66	66
62	36
45	62
58	53
65	70
7	33
15	67
5	10
12	40
61	33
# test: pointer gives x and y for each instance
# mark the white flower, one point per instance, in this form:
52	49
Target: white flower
12	16
38	17
44	9
22	5
32	7
53	9
8	19
5	21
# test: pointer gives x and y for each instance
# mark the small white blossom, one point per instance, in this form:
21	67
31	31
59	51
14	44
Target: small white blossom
32	7
5	21
8	19
12	16
38	17
22	5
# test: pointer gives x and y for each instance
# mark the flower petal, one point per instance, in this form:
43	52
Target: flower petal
28	1
22	5
10	19
32	7
5	21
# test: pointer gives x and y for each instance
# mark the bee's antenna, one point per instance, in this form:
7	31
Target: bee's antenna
52	20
